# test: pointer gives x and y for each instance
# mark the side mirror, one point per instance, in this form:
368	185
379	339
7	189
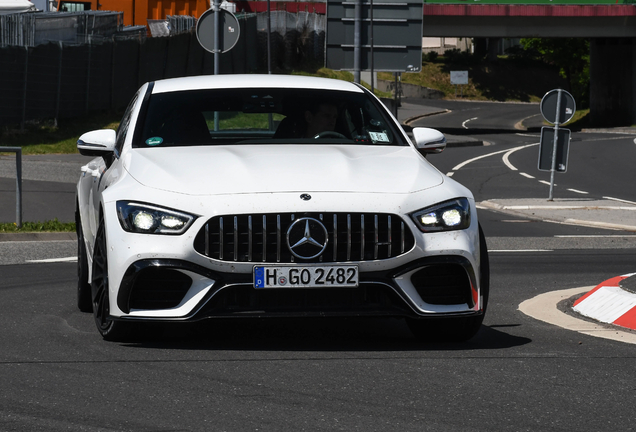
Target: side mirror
428	140
97	143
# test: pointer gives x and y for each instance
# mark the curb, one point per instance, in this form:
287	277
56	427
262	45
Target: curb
544	308
419	116
522	210
620	130
609	303
38	237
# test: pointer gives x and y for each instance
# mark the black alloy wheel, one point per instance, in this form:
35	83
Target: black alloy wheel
109	329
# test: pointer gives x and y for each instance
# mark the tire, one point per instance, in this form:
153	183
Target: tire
109	329
84	300
457	329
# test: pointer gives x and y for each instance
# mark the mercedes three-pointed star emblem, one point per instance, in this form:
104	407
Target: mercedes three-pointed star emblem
307	238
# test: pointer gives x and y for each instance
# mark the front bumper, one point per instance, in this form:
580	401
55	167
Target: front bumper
169	290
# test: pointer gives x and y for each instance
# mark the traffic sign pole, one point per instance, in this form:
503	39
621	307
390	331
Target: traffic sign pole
217	38
554	145
557	106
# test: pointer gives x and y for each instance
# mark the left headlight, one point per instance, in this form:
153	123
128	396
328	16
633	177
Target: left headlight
149	219
446	216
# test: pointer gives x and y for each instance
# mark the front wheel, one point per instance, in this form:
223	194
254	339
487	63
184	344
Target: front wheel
109	329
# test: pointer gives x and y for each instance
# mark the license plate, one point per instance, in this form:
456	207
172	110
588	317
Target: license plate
305	276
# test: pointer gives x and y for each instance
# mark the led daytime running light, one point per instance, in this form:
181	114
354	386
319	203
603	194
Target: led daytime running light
446	216
149	219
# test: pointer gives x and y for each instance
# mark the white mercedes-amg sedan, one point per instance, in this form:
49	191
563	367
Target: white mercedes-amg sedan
273	196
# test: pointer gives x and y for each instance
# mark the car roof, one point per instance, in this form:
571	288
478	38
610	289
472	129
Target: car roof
204	82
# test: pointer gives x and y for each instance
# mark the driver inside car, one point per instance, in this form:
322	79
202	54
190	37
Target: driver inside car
320	118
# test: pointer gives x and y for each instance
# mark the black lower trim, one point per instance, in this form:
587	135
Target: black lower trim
233	295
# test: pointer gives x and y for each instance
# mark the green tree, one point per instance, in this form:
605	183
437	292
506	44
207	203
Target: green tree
571	56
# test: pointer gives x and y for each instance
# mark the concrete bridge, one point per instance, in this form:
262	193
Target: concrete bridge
610	26
611	29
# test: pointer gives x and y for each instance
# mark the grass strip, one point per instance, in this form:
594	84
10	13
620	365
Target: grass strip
46	226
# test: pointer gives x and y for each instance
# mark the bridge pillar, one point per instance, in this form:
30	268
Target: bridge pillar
612	81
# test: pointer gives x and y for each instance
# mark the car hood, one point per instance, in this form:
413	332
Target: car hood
212	170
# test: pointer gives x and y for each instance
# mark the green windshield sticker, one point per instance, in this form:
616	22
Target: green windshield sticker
154	141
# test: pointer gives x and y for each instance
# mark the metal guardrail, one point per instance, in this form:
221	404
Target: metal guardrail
18	181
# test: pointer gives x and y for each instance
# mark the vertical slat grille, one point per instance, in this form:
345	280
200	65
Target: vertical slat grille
263	238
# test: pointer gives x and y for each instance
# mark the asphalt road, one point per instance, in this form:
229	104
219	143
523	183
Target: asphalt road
516	374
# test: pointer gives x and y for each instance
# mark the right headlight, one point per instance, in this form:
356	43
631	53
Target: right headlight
148	219
447	216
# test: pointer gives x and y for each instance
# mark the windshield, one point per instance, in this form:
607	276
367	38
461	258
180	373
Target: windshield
265	116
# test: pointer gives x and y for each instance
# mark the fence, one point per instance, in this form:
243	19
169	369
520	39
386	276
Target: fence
32	29
58	80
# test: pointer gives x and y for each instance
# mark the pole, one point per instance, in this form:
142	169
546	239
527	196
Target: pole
217	50
357	29
554	143
270	117
217	36
395	97
18	182
269	35
18	187
371	42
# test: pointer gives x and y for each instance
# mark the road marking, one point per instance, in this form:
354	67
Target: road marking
464	123
519	125
578	191
604	139
527	175
520	250
466	162
619	200
54	260
528	135
546	182
544	308
450	174
596	236
507	155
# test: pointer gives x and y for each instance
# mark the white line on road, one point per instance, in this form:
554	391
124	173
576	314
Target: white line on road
578	191
54	260
466	162
507	155
528	135
619	200
464	123
527	175
520	250
546	182
596	236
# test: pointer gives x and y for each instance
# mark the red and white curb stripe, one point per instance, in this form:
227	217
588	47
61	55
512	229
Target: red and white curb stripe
609	303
